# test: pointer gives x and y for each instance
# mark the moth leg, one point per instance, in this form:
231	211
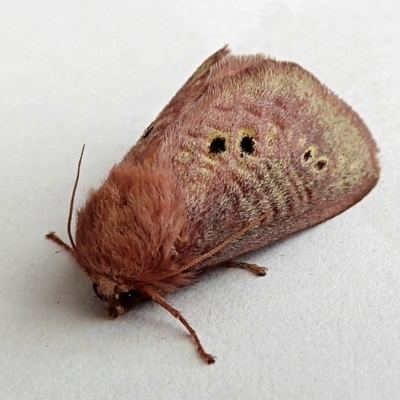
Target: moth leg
208	358
53	237
253	268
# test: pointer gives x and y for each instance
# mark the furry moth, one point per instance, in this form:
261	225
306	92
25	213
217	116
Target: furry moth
249	151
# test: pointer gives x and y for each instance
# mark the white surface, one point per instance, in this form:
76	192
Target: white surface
324	323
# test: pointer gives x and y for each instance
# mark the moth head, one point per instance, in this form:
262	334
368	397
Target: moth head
128	229
118	301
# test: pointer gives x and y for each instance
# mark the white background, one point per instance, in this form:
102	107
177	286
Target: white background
323	324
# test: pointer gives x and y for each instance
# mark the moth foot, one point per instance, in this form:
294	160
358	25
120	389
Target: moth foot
208	358
211	360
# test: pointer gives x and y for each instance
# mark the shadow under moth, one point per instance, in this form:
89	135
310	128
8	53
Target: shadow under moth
249	151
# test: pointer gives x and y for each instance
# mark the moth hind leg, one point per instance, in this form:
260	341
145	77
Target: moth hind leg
54	238
253	268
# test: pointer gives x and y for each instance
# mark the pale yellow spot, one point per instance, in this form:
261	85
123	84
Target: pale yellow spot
355	165
184	157
272	134
186	153
341	161
301	142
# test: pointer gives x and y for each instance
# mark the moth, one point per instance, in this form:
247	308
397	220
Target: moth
249	151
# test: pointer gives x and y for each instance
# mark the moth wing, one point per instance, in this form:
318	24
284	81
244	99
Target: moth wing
266	138
206	76
249	137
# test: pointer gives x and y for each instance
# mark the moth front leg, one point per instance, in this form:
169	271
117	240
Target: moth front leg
253	268
54	238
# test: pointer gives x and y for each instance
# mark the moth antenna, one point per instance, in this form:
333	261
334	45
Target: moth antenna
71	203
208	358
209	254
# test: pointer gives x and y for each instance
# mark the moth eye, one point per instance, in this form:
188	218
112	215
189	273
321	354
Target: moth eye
97	292
247	145
125	297
130	299
217	145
